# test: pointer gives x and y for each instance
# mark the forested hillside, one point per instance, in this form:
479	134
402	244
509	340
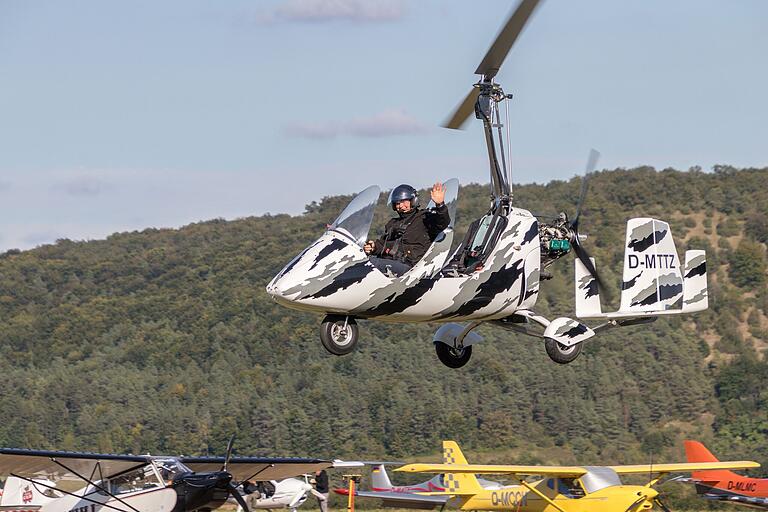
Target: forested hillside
165	341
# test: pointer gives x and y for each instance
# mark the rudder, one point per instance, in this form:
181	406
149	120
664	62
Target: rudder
697	452
458	483
652	278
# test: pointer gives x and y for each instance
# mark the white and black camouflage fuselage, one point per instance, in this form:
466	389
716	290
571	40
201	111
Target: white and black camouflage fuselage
334	275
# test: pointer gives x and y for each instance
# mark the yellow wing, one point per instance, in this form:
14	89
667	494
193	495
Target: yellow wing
484	469
684	467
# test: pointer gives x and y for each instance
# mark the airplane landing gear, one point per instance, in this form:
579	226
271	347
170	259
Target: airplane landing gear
560	353
453	357
339	334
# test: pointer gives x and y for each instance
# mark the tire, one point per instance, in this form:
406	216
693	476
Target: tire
337	340
452	357
561	354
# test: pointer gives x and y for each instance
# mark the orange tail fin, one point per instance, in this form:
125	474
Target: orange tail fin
697	452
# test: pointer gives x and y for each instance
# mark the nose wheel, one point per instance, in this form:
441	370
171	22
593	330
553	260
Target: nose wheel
339	334
453	357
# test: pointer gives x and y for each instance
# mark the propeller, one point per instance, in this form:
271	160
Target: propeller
581	253
229	452
238	497
230	486
493	59
661	505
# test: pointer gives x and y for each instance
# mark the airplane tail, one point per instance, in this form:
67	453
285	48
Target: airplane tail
380	478
23	493
697	452
458	483
653	281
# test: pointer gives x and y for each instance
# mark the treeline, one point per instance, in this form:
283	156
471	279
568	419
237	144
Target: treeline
165	341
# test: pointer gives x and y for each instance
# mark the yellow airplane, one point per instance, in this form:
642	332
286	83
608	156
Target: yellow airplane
561	488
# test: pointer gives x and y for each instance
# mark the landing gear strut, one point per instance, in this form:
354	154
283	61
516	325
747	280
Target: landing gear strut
339	334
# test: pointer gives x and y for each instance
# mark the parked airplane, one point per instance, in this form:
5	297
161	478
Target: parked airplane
289	493
724	485
145	483
561	488
18	495
406	496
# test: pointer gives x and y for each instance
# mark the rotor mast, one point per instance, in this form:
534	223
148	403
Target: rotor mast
486	96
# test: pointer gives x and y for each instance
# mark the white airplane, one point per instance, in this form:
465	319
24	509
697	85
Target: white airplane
289	493
143	483
19	495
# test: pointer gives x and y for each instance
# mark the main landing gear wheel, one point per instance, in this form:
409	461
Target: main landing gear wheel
453	357
339	334
560	353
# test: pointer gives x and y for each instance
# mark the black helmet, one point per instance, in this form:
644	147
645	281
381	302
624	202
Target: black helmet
401	193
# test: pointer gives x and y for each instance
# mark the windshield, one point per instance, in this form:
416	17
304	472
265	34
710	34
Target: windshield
355	220
599	477
169	468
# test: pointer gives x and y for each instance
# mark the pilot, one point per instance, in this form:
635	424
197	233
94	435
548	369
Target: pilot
408	236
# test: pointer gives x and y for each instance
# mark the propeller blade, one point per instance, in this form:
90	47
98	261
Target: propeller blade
238	497
634	505
505	39
463	111
662	505
229	452
592	159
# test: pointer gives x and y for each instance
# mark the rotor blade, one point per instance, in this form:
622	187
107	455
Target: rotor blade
592	159
506	38
238	497
229	452
463	111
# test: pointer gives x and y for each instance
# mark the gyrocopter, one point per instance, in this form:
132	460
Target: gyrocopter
494	275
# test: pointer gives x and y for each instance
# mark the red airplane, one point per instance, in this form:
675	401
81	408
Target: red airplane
723	485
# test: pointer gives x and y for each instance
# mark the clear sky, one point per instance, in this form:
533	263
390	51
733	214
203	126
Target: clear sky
124	115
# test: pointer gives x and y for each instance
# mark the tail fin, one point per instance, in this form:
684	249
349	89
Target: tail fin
380	478
458	483
697	452
652	278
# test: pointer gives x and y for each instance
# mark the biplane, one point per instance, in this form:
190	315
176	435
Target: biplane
493	276
143	483
724	485
557	488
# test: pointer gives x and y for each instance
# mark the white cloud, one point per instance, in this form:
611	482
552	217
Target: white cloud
319	11
385	124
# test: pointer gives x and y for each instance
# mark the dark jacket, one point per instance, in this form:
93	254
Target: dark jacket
321	482
408	237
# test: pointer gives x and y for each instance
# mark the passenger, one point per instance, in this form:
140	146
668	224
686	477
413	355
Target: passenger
408	237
